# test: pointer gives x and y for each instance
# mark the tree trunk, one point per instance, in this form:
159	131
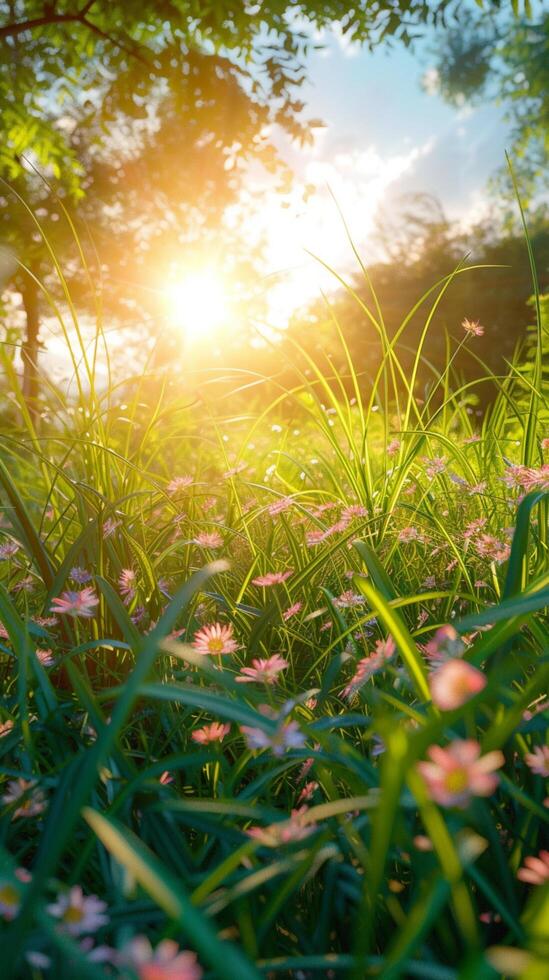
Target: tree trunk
29	351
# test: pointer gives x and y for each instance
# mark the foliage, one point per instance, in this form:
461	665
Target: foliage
498	58
384	516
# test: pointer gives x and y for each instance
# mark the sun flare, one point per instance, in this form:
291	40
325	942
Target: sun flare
198	303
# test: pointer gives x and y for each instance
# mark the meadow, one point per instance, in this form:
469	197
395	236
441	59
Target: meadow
274	678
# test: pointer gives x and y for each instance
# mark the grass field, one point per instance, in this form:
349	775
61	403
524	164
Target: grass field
274	679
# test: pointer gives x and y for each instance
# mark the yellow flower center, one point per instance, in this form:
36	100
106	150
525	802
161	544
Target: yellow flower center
9	895
456	781
215	645
73	914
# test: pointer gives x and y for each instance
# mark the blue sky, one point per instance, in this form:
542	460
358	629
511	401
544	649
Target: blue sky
385	137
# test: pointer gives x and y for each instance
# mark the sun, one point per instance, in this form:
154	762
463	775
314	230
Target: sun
198	303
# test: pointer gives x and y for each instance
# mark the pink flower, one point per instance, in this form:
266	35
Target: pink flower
33	801
76	603
455	683
209	539
166	962
488	546
408	534
216	639
279	506
79	913
45	657
538	760
292	611
285	831
535	870
308	791
457	773
349	599
287	736
110	526
179	483
272	578
473	328
393	447
264	671
211	733
126	583
6	727
444	645
354	510
8	550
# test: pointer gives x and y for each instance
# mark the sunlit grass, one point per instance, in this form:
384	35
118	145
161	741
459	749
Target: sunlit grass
313	529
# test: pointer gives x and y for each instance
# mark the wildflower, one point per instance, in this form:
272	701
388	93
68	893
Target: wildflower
8	550
26	584
179	483
79	913
393	447
288	735
348	600
45	621
422	843
110	526
126	584
477	487
365	669
10	899
434	466
308	791
31	798
471	439
76	603
45	657
279	506
264	671
408	534
454	683
272	578
488	546
473	328
457	773
209	539
6	727
211	733
314	537
166	962
284	831
535	870
538	760
474	527
443	646
354	510
216	639
166	778
292	611
80	575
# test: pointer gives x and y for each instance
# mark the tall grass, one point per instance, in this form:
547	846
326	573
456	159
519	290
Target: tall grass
447	525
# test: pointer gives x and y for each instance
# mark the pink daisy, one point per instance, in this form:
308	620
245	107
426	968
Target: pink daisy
166	962
455	683
457	773
292	611
535	870
76	603
126	583
179	483
285	831
264	671
31	798
216	639
538	760
472	327
209	539
211	733
79	913
272	578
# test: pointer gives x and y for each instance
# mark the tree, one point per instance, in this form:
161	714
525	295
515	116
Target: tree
494	57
